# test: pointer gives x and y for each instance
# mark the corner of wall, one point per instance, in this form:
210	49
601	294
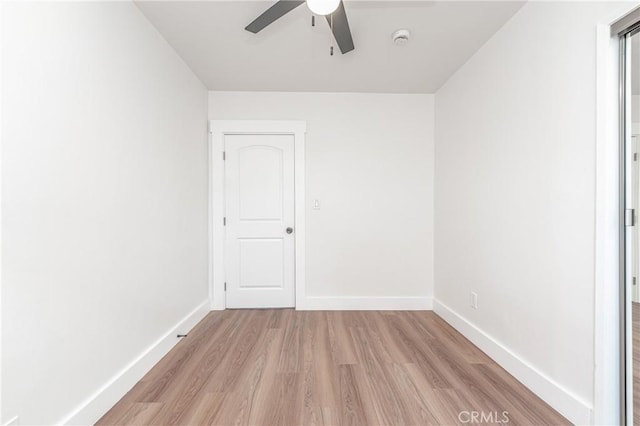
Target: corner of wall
560	398
96	405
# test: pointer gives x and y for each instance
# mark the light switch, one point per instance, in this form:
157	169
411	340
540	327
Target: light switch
316	204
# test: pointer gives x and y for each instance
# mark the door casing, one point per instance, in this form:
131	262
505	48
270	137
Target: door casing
218	129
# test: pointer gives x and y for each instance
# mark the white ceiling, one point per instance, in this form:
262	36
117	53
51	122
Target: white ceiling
290	55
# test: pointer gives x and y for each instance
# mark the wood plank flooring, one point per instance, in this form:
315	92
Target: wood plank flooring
287	367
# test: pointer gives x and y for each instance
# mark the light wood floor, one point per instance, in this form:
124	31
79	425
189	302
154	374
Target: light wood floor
286	367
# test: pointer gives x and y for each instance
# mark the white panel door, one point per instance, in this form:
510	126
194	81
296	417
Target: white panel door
259	211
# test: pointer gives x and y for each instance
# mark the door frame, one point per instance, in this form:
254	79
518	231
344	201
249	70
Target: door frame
218	129
609	373
609	353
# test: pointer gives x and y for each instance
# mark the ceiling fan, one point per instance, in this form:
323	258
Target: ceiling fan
333	10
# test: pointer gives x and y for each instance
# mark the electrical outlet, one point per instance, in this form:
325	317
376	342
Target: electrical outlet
474	300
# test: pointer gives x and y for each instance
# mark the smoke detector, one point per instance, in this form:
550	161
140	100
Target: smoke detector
401	37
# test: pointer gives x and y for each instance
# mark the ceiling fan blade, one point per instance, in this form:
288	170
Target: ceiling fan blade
275	12
340	29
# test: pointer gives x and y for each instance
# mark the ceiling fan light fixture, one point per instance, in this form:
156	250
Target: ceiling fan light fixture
323	7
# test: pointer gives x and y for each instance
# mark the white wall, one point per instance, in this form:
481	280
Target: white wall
369	161
515	199
1	144
104	198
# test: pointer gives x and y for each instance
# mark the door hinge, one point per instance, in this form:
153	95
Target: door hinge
225	286
224	221
635	156
629	217
224	155
633	281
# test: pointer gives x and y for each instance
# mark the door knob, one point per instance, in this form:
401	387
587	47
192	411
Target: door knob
289	230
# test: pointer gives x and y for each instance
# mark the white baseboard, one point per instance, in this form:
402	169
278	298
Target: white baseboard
564	401
94	407
355	303
14	421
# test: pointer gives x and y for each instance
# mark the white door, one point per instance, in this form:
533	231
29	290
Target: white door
259	212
